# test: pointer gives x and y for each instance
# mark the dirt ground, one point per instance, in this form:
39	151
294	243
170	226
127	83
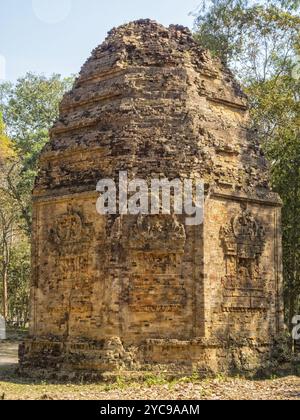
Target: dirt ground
8	353
13	387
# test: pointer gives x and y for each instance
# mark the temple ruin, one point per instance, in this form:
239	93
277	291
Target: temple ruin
145	293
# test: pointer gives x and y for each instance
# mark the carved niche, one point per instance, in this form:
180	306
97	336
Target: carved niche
71	234
70	240
155	247
243	241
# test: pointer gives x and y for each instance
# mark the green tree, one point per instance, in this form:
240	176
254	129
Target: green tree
29	109
7	216
255	39
18	285
6	149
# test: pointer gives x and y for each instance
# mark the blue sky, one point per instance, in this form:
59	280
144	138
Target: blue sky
28	42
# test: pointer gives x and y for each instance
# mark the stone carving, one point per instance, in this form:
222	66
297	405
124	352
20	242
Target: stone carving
71	235
243	241
156	245
162	233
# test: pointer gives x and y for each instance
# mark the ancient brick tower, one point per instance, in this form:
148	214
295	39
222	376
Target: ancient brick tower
149	292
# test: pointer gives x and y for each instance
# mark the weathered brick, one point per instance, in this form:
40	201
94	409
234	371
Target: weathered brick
134	293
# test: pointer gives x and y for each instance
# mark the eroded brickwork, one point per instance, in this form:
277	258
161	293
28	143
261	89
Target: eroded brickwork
149	292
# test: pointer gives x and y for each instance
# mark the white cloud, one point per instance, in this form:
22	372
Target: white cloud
52	11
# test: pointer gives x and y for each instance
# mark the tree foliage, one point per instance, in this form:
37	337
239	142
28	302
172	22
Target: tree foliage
256	39
27	111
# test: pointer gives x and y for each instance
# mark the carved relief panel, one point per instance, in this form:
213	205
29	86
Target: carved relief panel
70	241
69	245
243	241
71	234
155	246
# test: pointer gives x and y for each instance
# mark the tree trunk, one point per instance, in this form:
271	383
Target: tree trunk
5	292
7	242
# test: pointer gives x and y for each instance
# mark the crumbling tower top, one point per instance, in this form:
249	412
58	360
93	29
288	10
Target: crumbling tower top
151	100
